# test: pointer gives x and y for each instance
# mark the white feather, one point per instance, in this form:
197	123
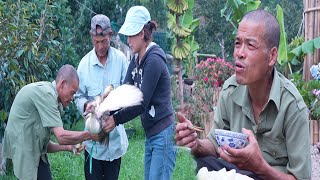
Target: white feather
121	97
92	124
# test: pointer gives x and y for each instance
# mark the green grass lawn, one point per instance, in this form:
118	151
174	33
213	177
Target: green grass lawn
66	166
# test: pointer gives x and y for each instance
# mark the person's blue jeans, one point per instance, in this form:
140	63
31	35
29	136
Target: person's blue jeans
160	155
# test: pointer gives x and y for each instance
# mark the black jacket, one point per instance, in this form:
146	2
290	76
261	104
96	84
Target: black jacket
153	78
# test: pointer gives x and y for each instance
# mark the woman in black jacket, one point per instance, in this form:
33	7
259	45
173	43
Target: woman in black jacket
148	71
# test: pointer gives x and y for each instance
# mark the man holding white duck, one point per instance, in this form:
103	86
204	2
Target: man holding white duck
260	102
99	68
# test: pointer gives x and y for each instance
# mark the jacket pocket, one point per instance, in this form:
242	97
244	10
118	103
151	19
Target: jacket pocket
275	152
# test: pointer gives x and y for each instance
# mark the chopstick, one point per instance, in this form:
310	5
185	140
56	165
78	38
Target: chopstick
196	128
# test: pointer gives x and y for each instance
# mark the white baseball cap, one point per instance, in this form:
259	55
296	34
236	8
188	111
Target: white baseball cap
136	18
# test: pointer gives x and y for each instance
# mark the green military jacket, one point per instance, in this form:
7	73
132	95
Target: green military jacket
35	109
283	128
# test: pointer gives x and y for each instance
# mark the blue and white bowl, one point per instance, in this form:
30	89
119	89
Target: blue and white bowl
233	139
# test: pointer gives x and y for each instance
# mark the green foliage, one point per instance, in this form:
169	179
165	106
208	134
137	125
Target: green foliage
235	10
293	54
36	40
306	90
290	56
190	61
27	47
283	45
306	47
292	13
296	61
83	10
181	26
71	116
192	24
212	28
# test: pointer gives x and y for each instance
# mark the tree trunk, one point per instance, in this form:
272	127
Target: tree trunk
179	64
180	92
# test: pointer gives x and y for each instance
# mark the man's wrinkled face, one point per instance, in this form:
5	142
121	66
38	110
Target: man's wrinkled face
101	42
66	92
253	58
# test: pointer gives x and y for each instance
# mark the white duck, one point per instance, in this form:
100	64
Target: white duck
111	100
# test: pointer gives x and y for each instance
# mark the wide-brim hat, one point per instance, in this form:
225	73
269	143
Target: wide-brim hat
136	18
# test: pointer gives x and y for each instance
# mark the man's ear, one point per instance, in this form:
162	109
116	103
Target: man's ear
60	84
273	56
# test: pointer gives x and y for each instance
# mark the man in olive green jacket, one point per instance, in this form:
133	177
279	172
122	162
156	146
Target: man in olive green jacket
261	103
35	112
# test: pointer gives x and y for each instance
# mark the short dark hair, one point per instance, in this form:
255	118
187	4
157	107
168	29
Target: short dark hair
148	29
68	73
271	26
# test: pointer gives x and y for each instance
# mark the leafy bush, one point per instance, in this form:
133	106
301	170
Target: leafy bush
27	48
315	105
310	94
210	75
212	72
35	41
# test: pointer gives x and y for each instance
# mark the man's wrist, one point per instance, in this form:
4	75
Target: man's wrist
87	136
63	148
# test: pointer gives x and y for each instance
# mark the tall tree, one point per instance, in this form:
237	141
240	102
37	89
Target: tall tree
35	40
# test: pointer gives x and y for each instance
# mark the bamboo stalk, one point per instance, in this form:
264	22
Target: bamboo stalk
317	30
311	131
312	9
315	132
306	64
314	60
318	131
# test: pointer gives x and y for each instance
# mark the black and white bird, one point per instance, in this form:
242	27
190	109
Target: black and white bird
111	100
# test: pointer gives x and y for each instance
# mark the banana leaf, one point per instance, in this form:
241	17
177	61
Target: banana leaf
283	46
187	17
307	47
234	10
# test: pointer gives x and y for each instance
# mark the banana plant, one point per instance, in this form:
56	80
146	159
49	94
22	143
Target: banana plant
180	49
287	56
234	10
306	47
181	25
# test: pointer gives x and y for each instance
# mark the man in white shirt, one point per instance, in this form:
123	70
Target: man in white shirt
102	66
